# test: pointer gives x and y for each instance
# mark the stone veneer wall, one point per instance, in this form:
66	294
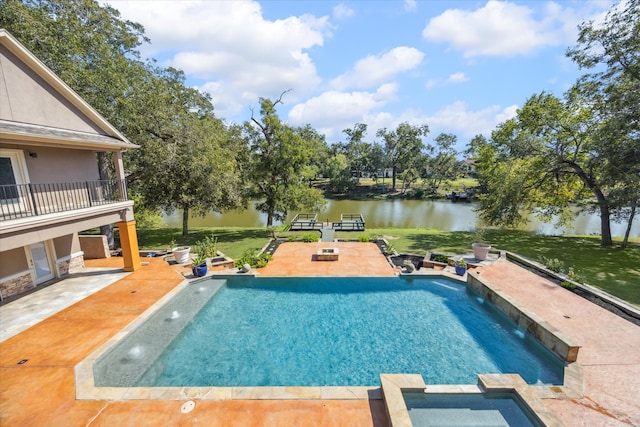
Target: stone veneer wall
23	282
538	328
17	284
71	264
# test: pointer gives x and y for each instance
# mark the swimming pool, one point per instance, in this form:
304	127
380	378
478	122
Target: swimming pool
248	331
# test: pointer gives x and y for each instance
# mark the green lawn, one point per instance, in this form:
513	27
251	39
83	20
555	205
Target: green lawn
232	241
614	270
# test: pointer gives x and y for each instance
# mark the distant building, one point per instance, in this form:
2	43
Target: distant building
50	188
469	168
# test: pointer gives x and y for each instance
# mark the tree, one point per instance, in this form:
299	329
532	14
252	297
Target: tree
442	163
279	165
403	146
318	146
338	170
543	160
189	157
612	48
355	149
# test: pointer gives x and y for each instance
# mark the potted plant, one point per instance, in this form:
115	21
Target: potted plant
480	250
181	254
199	268
461	267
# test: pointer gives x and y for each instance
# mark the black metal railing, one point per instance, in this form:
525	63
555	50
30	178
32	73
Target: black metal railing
27	200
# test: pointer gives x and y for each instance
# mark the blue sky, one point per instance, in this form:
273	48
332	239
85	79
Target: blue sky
461	67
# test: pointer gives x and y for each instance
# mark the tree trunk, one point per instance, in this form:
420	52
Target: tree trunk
605	215
185	221
103	170
625	241
393	179
605	225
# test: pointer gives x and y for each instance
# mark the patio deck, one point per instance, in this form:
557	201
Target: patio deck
41	391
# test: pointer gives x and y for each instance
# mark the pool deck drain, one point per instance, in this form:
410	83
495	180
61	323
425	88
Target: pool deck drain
42	391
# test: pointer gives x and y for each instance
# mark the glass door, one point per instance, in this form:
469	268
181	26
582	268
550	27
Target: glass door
14	200
39	261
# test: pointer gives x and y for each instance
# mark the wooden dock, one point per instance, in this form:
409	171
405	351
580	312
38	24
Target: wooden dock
308	221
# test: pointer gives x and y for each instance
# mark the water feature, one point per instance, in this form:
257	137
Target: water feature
438	214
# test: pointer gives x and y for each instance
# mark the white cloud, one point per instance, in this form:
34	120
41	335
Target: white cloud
457	78
342	11
454	78
410	5
374	70
458	119
332	111
236	53
502	28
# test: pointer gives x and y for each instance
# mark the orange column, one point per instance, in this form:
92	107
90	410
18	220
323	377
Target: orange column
129	244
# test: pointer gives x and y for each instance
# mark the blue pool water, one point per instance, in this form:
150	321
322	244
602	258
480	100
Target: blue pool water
484	409
333	331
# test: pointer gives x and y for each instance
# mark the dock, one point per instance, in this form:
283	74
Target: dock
309	221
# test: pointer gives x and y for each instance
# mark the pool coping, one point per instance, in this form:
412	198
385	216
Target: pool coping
394	385
87	390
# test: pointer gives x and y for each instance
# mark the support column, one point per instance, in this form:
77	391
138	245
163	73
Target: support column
129	244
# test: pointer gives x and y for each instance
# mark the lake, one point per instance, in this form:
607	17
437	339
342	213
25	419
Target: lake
438	214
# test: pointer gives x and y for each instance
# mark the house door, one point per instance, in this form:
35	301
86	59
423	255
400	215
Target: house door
40	262
13	173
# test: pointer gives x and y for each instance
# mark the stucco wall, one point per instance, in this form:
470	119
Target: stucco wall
27	98
48	165
66	245
13	261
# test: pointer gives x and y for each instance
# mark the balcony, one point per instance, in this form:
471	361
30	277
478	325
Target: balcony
30	200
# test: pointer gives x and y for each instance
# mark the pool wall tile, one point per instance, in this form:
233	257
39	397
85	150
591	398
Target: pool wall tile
546	334
529	395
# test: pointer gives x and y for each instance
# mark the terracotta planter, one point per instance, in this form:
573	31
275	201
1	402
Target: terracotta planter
480	250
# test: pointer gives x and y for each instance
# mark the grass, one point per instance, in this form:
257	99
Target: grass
232	241
615	270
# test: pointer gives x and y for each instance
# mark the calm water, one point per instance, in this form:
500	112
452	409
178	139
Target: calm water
442	215
345	331
482	409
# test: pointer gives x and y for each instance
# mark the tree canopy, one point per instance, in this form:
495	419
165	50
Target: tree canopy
583	149
280	165
403	147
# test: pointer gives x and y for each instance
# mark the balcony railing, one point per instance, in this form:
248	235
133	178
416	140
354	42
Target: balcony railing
27	200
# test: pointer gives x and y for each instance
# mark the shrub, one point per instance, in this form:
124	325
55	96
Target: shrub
207	247
255	261
553	264
309	238
363	238
390	250
441	258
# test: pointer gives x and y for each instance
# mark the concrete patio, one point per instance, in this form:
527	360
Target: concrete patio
37	384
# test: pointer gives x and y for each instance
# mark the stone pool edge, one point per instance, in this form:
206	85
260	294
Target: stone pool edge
572	383
394	385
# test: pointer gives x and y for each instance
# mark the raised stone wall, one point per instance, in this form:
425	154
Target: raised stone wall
16	284
538	328
71	264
